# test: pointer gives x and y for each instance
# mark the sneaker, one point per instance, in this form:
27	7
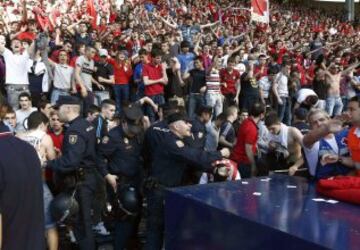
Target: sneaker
101	229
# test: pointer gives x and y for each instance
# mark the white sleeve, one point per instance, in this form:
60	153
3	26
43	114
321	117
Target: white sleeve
203	178
312	157
7	54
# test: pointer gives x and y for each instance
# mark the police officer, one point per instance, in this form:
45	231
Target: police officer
77	166
120	162
169	162
101	125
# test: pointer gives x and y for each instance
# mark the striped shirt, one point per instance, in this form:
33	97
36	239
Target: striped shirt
213	82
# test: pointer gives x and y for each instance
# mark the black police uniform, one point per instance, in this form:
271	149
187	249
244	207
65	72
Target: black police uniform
120	155
21	193
78	161
170	159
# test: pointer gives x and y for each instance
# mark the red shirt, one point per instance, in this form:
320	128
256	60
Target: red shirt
121	75
247	134
153	72
230	79
57	139
261	74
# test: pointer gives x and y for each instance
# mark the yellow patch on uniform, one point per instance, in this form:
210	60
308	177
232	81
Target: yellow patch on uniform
73	139
105	139
180	144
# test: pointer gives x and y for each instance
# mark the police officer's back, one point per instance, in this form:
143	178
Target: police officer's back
169	162
21	202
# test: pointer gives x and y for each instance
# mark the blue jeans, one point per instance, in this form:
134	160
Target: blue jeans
216	102
195	101
56	93
121	92
334	105
155	219
158	100
284	111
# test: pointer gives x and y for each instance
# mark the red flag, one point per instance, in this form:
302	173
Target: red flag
92	12
260	10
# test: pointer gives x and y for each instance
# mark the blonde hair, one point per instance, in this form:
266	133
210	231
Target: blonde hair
315	111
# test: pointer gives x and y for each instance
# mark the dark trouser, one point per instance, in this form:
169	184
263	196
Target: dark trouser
247	100
99	202
158	100
122	95
124	231
87	102
155	219
229	100
245	170
125	228
83	226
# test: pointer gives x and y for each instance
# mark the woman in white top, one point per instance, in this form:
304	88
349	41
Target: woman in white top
36	135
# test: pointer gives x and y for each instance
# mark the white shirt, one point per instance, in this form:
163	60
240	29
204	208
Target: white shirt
312	154
62	76
16	67
282	85
21	115
304	93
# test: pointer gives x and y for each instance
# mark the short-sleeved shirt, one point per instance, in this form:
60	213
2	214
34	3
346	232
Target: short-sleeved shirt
21	195
186	61
230	79
189	31
227	130
16	67
62	76
87	70
247	134
153	72
198	80
249	86
105	71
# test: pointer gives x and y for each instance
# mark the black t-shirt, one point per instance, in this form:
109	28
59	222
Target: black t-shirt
198	80
21	195
249	86
103	70
173	87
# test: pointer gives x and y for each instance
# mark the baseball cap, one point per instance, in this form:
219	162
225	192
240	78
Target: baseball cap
67	100
103	52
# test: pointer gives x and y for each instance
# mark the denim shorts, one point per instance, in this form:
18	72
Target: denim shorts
48	197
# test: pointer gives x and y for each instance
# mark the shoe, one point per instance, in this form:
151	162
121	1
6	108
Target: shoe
101	229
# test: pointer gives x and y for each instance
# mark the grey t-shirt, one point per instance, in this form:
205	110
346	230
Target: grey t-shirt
87	70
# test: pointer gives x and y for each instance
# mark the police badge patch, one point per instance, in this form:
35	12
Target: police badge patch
73	139
105	140
180	144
